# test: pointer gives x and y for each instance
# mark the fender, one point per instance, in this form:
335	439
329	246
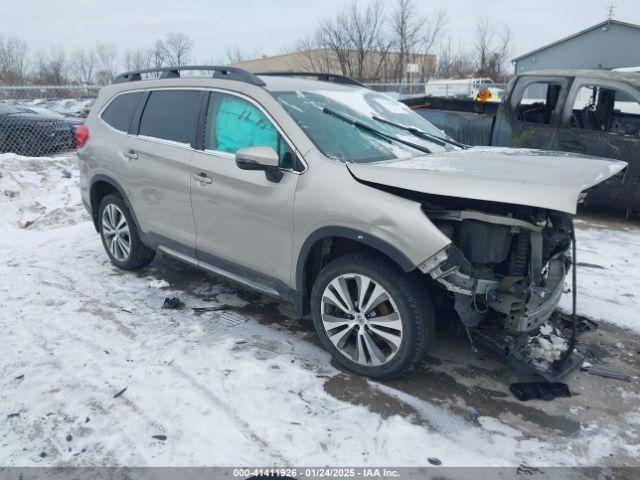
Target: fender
104	178
297	297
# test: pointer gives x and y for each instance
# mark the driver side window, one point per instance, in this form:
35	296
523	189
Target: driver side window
538	102
234	123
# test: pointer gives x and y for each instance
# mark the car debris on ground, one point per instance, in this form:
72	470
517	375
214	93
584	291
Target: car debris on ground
539	390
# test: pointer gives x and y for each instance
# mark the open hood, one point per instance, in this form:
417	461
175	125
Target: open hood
536	178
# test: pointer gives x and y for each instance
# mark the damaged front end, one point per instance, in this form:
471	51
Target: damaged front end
504	273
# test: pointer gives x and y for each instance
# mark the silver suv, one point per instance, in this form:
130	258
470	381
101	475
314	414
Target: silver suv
338	199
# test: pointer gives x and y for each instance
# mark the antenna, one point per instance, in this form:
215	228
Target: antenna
612	7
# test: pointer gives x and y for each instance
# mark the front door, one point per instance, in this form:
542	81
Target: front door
530	118
244	222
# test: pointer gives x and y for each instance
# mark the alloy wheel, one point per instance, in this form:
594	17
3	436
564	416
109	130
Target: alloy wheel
115	231
361	319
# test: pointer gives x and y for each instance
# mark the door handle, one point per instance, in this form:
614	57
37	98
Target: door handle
202	178
131	155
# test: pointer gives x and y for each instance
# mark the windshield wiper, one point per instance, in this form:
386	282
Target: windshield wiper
422	134
373	131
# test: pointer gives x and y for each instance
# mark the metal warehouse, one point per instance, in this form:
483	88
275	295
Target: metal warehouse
607	45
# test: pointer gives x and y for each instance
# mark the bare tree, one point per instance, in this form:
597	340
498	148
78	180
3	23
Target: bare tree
431	32
454	63
138	59
51	68
107	62
433	28
407	24
83	66
177	49
492	49
158	55
352	43
13	60
364	28
235	54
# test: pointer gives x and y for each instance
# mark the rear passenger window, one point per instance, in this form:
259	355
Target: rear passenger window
120	111
171	115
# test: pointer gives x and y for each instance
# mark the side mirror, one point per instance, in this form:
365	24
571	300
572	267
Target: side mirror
260	158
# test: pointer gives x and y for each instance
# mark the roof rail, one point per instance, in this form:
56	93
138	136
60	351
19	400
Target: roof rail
324	77
229	73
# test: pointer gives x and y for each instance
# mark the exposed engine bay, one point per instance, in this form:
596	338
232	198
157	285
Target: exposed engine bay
504	272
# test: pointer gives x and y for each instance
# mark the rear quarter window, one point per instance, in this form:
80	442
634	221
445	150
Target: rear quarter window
171	115
120	111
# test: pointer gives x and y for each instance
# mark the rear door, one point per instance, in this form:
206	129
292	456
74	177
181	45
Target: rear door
531	116
244	221
160	153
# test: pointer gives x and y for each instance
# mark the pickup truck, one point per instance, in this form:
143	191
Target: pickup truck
592	112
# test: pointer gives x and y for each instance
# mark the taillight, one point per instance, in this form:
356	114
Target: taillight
81	135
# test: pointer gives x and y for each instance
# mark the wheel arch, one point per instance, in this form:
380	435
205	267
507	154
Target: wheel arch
102	185
327	243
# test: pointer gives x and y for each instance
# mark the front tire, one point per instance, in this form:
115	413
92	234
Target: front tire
374	319
120	236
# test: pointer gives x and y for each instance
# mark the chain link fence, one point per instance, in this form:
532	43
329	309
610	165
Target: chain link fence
41	120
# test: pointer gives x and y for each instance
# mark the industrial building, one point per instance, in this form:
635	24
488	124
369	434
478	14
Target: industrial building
376	66
607	45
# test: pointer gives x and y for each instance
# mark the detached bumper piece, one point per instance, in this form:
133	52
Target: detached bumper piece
515	351
539	390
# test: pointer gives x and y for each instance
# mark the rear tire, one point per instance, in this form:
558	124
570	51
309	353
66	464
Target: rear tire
384	326
120	236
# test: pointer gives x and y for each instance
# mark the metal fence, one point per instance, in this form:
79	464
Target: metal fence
41	120
401	91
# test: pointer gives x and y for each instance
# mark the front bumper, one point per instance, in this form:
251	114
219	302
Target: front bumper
524	310
542	300
503	315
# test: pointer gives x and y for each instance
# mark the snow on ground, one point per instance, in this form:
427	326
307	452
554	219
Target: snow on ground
608	274
91	368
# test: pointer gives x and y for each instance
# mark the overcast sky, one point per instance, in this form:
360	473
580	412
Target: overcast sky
268	26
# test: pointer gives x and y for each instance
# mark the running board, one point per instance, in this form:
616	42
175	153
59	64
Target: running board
220	272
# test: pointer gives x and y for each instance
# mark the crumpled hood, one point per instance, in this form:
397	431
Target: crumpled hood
537	178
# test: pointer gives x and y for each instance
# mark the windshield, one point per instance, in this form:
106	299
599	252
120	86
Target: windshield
322	113
5	109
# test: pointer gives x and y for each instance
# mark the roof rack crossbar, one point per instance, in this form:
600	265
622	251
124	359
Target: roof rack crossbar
229	73
324	77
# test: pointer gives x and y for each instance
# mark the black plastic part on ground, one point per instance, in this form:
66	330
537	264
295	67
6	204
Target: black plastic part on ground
539	390
172	302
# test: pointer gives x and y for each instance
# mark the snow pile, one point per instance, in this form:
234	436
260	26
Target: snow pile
547	347
40	192
158	283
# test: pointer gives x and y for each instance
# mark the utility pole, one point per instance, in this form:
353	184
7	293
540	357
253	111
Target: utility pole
612	7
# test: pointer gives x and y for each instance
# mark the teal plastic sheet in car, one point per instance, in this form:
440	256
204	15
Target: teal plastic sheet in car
239	124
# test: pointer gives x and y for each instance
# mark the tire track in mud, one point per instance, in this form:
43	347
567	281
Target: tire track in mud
246	429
